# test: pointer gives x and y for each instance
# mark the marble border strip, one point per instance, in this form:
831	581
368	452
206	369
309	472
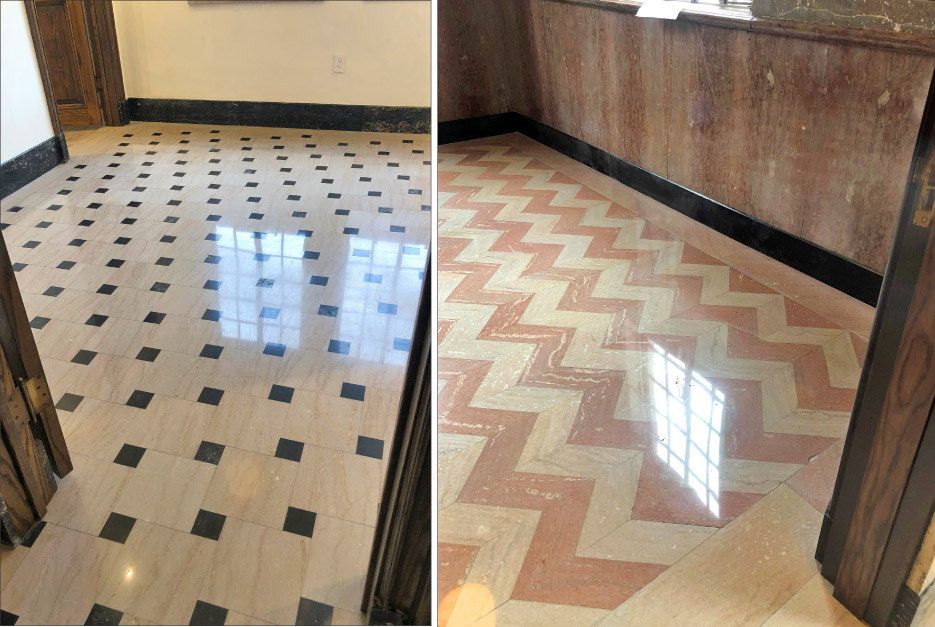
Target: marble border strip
30	165
334	117
819	263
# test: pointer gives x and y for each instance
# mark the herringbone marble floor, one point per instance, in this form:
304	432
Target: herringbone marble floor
640	419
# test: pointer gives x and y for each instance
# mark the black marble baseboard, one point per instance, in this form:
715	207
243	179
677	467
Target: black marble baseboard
30	165
283	115
819	263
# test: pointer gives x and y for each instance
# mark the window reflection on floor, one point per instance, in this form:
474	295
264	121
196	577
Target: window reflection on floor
688	422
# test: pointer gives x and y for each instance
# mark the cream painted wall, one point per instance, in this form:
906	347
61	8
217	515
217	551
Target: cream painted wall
24	114
277	51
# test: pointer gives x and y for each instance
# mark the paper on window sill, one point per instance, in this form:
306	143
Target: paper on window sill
663	9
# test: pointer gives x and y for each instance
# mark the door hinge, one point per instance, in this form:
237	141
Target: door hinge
36	393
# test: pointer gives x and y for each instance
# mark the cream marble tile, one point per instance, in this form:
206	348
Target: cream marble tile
158	573
60	578
252	487
263	572
175	426
650	542
338	561
342	485
166	490
86	496
325	421
9	562
813	606
739	576
99	429
249	423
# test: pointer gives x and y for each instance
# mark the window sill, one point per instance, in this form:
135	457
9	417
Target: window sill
741	18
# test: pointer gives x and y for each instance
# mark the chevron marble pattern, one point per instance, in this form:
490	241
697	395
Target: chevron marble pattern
612	395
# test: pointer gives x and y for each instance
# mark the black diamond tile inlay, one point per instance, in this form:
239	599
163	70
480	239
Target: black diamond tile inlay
208	525
209	452
103	615
275	349
117	528
154	317
289	449
140	399
353	391
211	351
69	402
313	613
299	521
83	357
210	396
208	614
281	393
148	354
369	447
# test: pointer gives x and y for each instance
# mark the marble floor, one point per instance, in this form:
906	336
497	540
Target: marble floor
224	316
640	420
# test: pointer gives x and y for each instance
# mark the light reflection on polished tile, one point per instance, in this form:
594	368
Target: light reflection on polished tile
230	323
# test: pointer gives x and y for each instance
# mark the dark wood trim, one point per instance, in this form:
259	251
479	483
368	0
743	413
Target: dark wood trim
337	117
909	528
105	56
33	20
30	165
819	263
399	581
19	345
877	505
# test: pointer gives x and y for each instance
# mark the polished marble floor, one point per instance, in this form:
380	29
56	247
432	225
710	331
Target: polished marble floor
224	316
640	419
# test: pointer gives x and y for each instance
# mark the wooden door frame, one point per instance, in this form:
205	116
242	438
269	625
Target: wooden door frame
398	589
105	59
884	495
19	345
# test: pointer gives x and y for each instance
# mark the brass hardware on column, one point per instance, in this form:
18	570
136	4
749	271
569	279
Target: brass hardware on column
36	393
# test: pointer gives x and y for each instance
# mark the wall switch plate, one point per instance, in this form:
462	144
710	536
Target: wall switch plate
338	63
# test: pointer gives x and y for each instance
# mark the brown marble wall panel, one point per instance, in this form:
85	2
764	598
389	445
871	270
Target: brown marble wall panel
866	106
478	45
599	77
812	137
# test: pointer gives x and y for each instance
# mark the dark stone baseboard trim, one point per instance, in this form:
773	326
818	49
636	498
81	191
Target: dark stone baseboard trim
30	165
123	112
283	114
819	263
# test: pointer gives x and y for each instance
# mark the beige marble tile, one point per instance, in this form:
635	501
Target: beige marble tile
86	496
175	426
157	575
60	578
263	572
650	542
531	614
342	485
813	606
250	423
739	576
99	429
166	490
338	560
252	487
323	420
9	562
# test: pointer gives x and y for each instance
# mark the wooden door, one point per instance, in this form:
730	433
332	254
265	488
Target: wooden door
63	34
32	446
